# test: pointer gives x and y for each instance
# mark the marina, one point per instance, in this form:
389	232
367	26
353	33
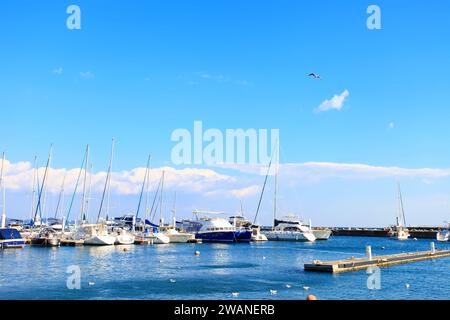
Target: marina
219	270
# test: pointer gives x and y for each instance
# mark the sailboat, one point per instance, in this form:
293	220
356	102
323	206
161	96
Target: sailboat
97	234
399	231
9	237
147	232
289	229
44	235
171	231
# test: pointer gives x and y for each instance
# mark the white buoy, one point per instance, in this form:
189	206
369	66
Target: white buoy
408	286
306	288
288	286
273	292
369	253
197	253
235	294
91	284
173	281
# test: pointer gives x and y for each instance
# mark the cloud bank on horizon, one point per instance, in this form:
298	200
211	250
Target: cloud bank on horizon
347	187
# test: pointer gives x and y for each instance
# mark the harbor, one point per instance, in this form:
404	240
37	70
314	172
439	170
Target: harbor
259	270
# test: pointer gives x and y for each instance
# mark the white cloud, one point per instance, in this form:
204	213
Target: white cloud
313	171
242	82
58	71
87	74
335	103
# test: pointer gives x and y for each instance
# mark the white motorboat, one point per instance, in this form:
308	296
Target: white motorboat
241	223
123	237
290	229
257	236
443	236
176	236
322	234
97	235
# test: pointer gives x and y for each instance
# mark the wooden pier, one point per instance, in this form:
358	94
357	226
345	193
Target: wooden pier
355	264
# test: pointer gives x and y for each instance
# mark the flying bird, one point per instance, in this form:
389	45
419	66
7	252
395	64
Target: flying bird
314	76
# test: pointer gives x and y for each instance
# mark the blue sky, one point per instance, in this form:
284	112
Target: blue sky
138	70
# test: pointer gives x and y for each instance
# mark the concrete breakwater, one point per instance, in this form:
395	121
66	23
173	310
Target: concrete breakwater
415	232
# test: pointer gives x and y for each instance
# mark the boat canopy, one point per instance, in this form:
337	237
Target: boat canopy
9	233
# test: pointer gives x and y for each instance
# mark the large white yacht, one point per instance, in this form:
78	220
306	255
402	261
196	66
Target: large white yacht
290	229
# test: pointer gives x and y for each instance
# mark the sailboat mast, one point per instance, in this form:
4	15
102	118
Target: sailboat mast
174	210
108	202
39	207
275	199
264	187
107	185
88	200
2	182
144	183
161	200
33	187
61	193
147	193
83	201
402	209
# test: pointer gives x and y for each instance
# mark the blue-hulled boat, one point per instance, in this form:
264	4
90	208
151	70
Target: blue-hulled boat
220	230
11	238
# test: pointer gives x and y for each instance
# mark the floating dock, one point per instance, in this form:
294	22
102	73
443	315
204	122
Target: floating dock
355	264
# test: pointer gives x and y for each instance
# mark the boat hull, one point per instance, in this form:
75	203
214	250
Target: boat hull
12	244
290	236
180	237
443	236
322	234
124	239
100	241
243	236
259	238
11	239
216	236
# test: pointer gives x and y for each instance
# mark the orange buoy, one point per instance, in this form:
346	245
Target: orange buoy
311	298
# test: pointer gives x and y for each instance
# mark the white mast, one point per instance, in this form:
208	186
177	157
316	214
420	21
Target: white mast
88	201
2	182
33	188
108	200
61	197
83	201
147	190
275	197
44	187
161	221
174	210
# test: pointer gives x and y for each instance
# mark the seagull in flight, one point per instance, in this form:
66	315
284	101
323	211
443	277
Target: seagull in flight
315	76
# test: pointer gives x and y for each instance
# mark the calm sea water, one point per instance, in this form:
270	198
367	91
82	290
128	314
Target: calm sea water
252	270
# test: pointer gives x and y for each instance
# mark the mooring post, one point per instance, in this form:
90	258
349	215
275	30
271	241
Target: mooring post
369	253
433	248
